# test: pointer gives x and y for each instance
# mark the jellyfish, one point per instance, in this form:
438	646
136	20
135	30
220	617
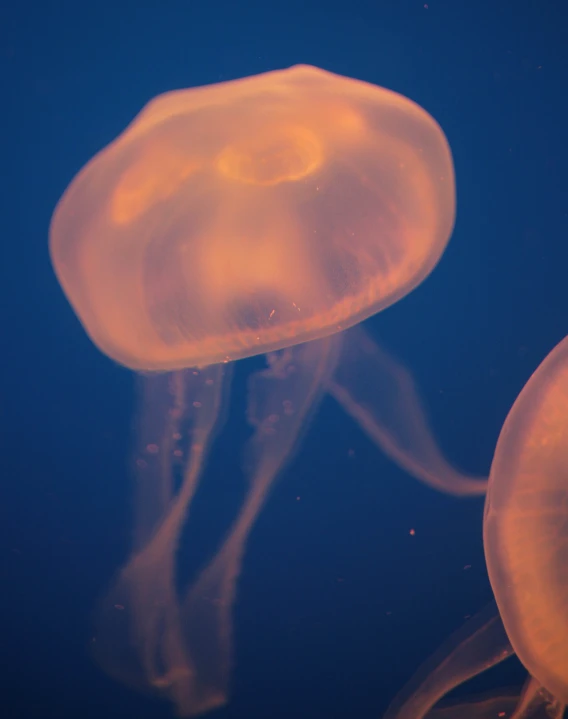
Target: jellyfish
477	646
480	644
525	528
524	543
265	216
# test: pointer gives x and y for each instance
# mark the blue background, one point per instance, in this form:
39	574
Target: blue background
338	603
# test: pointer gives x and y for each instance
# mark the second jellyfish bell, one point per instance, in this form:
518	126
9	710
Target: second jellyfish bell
525	528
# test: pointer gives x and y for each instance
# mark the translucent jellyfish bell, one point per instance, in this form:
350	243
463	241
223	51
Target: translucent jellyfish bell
240	218
525	524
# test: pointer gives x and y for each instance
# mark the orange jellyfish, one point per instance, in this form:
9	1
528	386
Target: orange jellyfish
474	648
264	215
480	644
525	526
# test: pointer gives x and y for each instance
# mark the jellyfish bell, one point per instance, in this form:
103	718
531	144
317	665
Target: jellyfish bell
244	217
525	528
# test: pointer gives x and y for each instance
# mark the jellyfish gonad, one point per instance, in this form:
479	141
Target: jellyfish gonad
262	216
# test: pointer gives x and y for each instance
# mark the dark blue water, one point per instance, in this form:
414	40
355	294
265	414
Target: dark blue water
338	602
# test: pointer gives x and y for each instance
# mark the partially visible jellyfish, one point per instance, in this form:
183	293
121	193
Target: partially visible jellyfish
265	215
525	527
479	645
525	538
